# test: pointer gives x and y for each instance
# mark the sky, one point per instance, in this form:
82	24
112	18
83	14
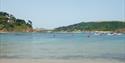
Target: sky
55	13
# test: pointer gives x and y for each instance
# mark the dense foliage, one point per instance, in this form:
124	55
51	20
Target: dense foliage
94	26
8	23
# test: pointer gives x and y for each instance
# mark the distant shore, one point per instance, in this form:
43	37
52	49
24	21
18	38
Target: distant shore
67	32
88	32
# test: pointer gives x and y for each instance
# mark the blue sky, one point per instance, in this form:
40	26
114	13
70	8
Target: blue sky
54	13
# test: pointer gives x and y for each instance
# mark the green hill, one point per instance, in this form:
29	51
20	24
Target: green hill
9	23
94	26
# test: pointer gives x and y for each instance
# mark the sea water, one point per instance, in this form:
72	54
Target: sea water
62	46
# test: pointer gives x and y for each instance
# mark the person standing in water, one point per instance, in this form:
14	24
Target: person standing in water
88	36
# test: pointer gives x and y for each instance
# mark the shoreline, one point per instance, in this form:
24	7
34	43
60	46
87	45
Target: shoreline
69	32
59	61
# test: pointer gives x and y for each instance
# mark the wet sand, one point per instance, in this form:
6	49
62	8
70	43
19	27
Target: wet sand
58	61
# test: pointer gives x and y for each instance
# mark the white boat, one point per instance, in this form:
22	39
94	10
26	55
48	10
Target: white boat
114	34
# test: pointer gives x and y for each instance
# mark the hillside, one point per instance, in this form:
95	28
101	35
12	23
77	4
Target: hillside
117	26
9	23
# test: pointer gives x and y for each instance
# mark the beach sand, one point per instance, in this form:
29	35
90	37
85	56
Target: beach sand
58	61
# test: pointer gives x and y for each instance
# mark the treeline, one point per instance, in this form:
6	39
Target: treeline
94	26
9	23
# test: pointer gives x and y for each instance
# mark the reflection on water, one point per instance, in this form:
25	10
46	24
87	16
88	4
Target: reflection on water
61	46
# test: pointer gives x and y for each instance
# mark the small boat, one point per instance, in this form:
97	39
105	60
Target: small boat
114	34
97	33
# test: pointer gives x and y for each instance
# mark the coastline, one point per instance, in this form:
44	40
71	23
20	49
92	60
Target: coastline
58	61
68	32
88	32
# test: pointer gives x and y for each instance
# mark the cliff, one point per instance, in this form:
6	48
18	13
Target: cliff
9	23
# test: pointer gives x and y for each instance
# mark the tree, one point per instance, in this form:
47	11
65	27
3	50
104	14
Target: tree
4	14
30	22
20	21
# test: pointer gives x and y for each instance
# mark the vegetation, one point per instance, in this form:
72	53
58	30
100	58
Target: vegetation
94	26
8	23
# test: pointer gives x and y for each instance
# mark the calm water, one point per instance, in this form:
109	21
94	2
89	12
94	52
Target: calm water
61	46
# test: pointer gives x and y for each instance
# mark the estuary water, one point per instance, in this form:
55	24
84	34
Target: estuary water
62	46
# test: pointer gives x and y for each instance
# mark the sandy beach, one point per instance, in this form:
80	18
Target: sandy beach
58	61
